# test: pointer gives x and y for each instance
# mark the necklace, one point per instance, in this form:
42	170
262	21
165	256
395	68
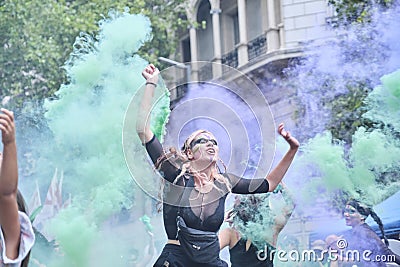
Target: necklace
204	184
205	188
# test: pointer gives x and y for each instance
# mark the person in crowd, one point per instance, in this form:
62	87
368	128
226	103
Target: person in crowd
336	255
361	238
195	191
16	235
256	247
321	257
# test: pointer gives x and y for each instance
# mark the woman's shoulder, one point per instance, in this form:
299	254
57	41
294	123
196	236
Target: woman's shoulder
364	228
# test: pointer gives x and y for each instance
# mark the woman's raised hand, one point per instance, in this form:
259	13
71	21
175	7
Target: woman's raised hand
294	144
7	126
150	73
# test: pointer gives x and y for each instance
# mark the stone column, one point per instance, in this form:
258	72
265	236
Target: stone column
272	29
194	73
193	53
243	56
282	40
193	43
215	11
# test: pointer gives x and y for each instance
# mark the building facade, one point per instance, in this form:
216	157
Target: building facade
257	37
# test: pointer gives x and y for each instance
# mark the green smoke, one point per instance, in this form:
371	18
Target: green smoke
258	216
384	102
86	121
366	170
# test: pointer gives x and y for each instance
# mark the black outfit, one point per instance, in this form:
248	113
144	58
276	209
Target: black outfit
200	211
363	238
240	257
174	256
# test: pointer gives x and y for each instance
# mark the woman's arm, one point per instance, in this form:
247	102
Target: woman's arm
283	213
270	182
228	237
153	145
276	175
150	73
287	196
224	237
286	207
9	219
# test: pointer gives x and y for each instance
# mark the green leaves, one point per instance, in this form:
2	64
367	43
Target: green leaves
37	37
357	11
347	112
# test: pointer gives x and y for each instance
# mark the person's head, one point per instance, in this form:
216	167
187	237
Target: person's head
331	241
318	246
247	207
199	153
201	148
355	213
254	219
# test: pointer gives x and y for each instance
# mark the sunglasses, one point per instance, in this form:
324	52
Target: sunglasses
203	141
350	211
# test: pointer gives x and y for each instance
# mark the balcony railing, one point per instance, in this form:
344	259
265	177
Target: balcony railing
181	91
206	72
178	88
230	59
257	46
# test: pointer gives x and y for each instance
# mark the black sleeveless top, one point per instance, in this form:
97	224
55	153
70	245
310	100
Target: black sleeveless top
203	211
253	257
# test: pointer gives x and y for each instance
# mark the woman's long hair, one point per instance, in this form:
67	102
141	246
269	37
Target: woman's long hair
22	207
181	161
366	211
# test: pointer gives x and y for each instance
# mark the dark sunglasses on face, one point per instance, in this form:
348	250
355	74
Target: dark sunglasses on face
203	141
350	211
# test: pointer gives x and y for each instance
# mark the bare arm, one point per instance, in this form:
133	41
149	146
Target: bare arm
9	219
276	175
283	214
150	73
228	237
289	201
224	238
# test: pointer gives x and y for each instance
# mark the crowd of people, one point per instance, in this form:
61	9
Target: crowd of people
194	206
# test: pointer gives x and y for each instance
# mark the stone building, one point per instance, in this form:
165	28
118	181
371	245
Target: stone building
256	37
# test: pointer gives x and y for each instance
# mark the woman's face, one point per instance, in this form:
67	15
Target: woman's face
204	147
352	216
